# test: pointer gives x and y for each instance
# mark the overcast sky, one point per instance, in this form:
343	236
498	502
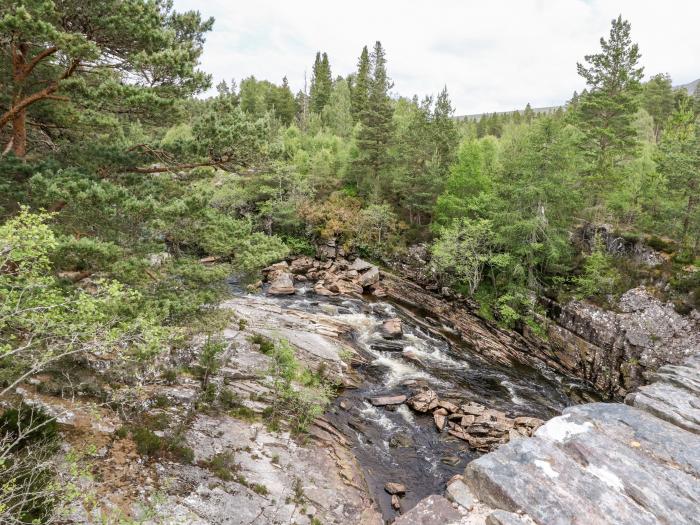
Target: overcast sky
493	55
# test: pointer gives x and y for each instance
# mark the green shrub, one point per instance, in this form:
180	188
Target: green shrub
599	276
223	465
265	345
147	443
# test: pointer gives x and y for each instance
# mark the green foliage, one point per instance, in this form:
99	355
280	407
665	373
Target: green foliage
605	113
210	359
299	395
463	249
223	465
375	131
599	277
42	321
148	443
110	58
321	83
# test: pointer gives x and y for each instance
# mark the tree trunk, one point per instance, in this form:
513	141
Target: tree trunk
19	133
19	119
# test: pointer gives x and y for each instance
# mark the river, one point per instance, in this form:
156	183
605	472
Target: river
395	444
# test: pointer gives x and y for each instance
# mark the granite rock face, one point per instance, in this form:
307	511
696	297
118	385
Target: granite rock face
431	510
605	463
616	350
674	396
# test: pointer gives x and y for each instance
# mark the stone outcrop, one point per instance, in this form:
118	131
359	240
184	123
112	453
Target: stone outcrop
615	350
431	510
482	428
240	472
330	275
635	463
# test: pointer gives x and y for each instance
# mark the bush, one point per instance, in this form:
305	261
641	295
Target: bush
599	276
30	489
299	395
42	320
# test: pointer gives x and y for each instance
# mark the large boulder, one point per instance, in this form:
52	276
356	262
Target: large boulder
431	510
424	401
283	284
302	265
388	400
360	265
327	250
344	286
392	329
369	278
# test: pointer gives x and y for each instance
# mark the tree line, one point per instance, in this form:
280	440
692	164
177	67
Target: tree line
127	200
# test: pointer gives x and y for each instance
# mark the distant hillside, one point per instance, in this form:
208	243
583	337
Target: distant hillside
690	87
477	116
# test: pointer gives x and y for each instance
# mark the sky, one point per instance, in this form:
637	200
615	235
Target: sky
493	55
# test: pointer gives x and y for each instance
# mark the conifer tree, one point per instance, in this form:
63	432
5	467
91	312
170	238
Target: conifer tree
680	161
128	56
444	132
606	113
360	86
321	83
375	133
658	101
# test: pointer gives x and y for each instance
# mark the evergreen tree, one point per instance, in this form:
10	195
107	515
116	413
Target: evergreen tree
284	103
414	178
528	114
337	113
131	56
321	83
680	162
376	130
658	101
360	86
606	113
444	132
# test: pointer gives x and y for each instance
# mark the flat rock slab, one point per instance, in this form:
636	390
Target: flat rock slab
501	517
674	397
387	400
597	463
433	510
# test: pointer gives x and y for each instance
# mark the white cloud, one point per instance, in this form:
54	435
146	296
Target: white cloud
493	56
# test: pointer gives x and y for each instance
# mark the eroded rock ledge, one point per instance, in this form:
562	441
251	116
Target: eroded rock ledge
614	350
635	463
617	350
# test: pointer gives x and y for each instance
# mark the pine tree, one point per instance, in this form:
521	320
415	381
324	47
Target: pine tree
285	105
321	83
375	133
680	162
360	86
658	101
606	113
134	57
444	132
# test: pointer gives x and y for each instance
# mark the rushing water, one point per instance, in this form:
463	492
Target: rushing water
397	444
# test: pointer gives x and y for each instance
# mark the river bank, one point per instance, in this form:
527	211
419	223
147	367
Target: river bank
423	390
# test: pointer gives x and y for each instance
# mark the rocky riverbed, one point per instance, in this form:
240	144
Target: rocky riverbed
425	390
